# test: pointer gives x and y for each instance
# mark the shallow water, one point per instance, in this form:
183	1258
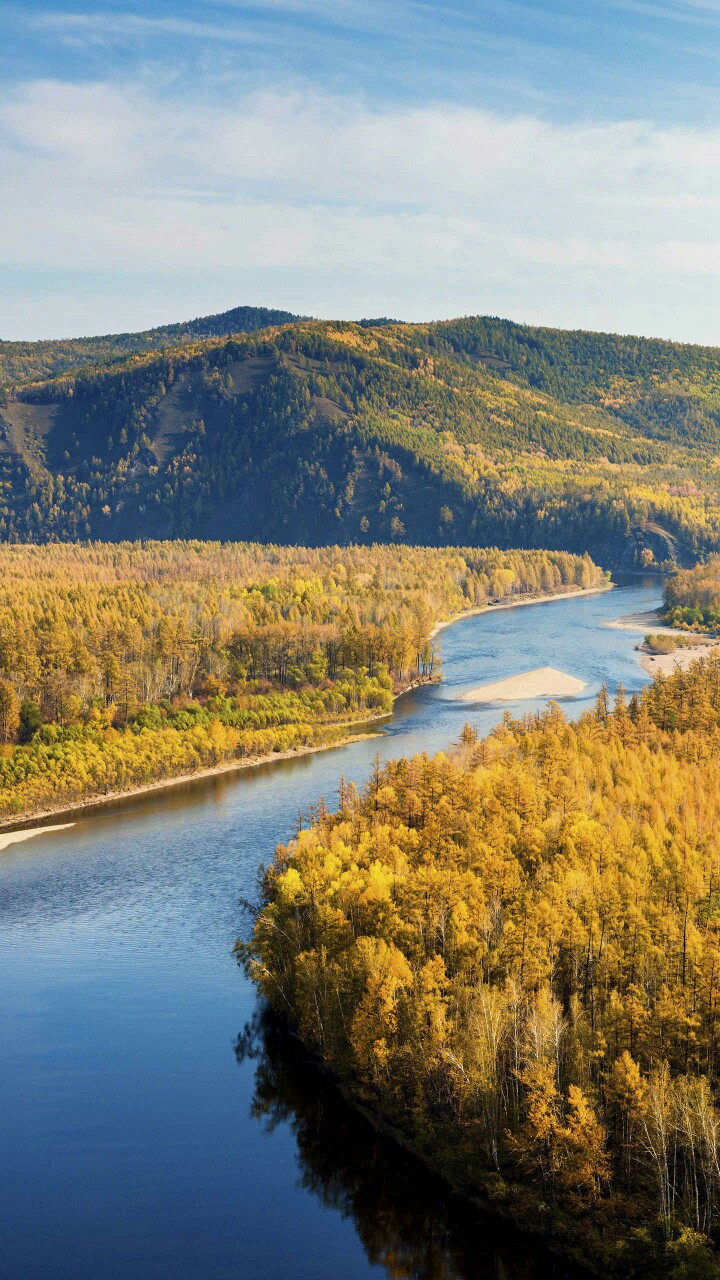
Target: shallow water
136	1142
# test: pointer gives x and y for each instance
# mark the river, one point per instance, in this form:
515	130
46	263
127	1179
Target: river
140	1134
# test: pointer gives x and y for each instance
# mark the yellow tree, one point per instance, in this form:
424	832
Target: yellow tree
9	712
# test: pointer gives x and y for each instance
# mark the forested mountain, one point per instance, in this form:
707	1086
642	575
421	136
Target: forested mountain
474	431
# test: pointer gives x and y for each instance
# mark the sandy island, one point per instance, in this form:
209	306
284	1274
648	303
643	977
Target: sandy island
15	837
543	682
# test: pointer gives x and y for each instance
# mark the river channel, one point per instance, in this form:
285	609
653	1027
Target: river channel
143	1134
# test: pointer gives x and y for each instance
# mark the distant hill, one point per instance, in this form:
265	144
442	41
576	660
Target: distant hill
471	431
23	362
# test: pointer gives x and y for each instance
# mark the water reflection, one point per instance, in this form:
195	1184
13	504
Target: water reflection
406	1218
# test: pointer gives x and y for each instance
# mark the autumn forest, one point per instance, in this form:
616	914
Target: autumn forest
124	664
236	539
510	953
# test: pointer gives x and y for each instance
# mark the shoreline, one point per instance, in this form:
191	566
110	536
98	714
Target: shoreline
9	838
678	659
564	1240
643	624
29	821
10	826
519	604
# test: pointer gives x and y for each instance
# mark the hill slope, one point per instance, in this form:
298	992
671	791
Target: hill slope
472	431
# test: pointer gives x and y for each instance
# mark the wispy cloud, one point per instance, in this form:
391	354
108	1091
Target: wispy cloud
107	174
405	21
393	155
617	56
105	27
699	12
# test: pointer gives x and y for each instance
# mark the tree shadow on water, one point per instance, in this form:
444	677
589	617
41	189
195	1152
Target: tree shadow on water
406	1218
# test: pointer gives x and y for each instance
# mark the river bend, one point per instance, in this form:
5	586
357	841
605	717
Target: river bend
141	1137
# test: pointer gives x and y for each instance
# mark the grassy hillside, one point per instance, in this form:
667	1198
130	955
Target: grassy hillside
476	431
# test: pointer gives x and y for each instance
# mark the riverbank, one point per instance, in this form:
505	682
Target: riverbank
284	1058
588	1247
679	659
17	824
519	603
643	623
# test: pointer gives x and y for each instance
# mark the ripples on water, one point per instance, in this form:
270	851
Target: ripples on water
130	1146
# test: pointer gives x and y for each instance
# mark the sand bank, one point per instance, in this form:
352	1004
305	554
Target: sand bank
650	624
643	623
679	659
543	682
16	837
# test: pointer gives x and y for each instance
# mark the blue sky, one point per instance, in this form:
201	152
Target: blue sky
553	162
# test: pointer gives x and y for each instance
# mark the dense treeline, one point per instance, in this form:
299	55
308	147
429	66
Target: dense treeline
473	431
692	597
512	955
124	663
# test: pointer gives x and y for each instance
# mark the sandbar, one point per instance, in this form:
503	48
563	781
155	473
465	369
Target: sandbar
679	659
15	837
642	622
543	682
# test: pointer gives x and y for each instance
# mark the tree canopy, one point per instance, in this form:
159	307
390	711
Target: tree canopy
122	664
511	954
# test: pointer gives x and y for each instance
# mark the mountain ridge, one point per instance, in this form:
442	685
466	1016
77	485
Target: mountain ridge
471	430
51	357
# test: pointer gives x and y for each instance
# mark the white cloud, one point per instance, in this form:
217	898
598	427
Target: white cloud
119	178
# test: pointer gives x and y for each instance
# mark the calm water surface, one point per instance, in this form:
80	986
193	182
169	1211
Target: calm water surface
138	1135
